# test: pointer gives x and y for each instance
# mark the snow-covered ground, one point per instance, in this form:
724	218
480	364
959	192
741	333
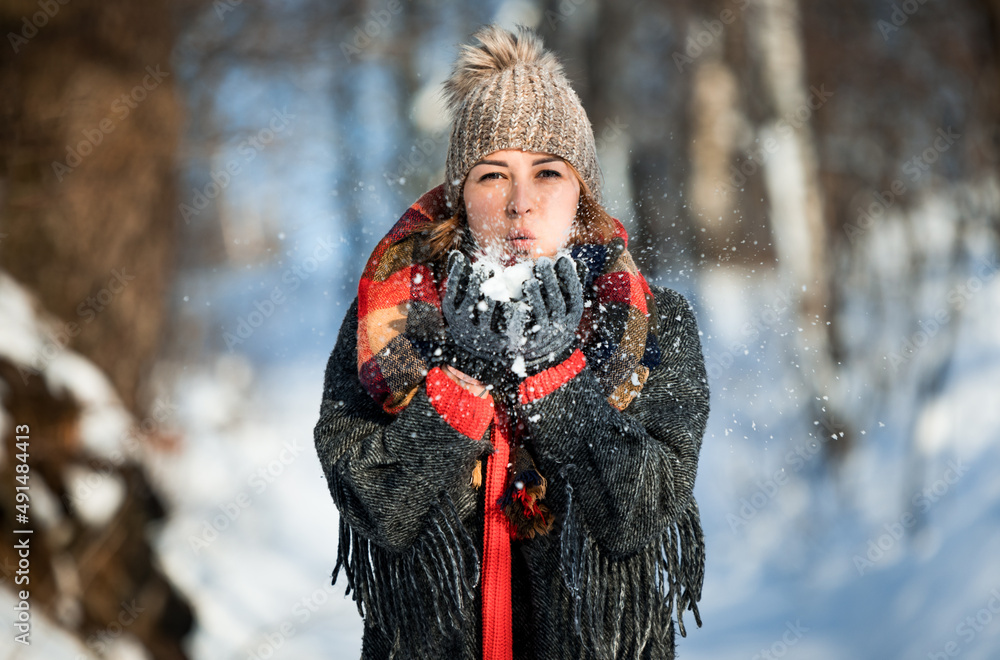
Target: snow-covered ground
872	566
254	536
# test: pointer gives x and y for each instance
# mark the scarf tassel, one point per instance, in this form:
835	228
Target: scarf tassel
616	604
522	498
391	589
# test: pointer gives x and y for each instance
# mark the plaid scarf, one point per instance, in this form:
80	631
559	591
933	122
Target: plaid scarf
400	322
401	329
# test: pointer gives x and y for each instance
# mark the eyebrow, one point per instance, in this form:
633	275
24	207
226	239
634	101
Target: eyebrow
503	163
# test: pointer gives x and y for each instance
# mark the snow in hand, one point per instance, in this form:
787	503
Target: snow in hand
504	284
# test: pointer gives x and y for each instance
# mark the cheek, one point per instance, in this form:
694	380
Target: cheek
484	215
558	231
564	212
481	228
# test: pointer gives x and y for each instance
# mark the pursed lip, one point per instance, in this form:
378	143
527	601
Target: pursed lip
520	236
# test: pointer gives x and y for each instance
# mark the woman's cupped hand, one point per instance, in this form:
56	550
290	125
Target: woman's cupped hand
495	338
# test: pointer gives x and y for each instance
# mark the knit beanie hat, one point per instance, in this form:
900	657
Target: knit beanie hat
510	93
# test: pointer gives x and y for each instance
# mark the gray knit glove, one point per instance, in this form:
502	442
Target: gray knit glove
555	294
477	326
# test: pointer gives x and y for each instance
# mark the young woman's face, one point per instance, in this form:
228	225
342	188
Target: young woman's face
521	204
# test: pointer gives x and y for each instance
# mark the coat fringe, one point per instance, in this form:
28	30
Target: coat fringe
669	571
440	572
618	605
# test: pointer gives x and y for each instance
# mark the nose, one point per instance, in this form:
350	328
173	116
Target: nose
519	201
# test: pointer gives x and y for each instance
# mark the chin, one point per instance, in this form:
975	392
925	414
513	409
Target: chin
533	253
539	253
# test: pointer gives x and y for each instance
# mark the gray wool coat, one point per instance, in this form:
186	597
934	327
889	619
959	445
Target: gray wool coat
626	546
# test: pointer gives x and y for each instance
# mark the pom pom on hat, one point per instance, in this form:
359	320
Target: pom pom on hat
499	50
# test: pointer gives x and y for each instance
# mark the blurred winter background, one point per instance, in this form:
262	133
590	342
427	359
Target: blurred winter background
189	188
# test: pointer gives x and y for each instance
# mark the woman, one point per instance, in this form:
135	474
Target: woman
513	463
